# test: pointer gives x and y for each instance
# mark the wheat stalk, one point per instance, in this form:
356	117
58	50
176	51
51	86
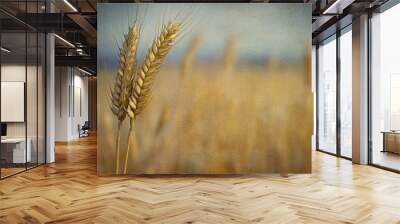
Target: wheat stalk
229	55
161	121
122	87
187	62
144	77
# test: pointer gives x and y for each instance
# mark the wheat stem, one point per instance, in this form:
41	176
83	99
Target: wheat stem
117	147
122	87
229	55
187	62
131	130
143	79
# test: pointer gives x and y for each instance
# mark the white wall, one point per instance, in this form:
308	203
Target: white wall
16	73
62	81
13	72
33	127
80	110
71	94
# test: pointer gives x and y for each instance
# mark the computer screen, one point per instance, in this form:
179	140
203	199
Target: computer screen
3	129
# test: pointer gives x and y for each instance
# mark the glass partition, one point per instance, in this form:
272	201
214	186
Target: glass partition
346	93
327	96
22	77
385	89
13	105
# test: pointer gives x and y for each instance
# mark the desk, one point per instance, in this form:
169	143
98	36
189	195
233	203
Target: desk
391	141
15	148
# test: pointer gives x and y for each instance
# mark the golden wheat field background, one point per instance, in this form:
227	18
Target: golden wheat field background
222	116
250	120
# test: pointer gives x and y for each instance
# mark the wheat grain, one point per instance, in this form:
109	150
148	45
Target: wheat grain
144	77
122	87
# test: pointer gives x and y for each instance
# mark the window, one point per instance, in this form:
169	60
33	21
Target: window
327	96
394	102
385	89
334	137
346	93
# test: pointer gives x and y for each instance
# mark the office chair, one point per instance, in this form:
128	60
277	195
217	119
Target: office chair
84	130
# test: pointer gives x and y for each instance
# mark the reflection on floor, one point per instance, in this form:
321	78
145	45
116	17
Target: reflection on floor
69	191
346	152
11	169
387	159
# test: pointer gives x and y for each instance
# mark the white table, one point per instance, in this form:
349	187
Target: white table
18	145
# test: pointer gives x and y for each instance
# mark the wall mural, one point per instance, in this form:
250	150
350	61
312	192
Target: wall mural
204	88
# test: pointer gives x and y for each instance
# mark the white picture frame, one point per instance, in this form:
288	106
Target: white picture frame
12	101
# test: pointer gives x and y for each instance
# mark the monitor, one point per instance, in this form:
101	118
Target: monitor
3	129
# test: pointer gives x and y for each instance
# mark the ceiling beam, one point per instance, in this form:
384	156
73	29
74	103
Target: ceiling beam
86	27
338	6
320	22
49	22
81	61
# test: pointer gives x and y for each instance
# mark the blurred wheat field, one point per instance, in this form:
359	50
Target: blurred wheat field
231	91
210	119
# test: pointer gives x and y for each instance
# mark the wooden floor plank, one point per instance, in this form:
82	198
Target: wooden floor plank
69	191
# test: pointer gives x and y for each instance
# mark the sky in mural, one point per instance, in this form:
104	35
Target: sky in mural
262	31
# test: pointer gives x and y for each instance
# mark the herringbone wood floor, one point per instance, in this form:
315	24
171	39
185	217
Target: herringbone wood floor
70	192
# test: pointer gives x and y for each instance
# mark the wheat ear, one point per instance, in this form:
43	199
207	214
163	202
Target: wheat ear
143	80
229	55
122	87
187	62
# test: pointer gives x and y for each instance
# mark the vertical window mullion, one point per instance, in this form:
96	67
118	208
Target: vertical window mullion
37	90
338	91
26	86
317	96
369	91
0	89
